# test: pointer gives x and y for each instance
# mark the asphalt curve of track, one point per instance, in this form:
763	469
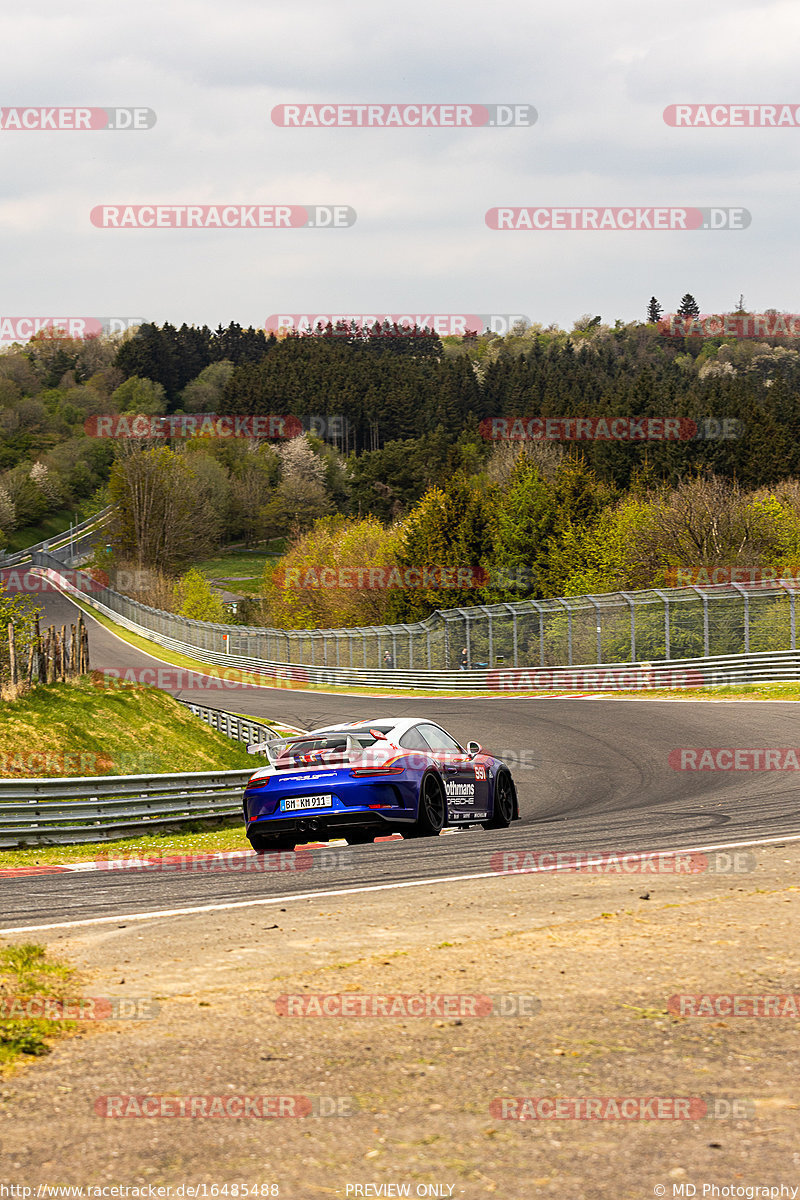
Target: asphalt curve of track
596	778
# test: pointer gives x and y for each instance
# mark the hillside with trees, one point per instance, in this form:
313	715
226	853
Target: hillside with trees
399	464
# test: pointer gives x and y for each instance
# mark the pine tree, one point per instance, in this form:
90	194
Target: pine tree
654	311
689	306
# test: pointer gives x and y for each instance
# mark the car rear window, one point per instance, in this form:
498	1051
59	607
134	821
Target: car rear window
364	737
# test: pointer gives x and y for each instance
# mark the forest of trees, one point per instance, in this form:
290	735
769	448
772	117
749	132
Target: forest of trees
399	453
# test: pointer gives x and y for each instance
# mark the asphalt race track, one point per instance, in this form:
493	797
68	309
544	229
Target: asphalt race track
599	782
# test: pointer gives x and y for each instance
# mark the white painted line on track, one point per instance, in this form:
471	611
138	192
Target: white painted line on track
376	887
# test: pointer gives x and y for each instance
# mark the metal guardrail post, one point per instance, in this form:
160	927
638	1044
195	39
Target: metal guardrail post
746	599
599	623
633	625
665	598
564	605
792	626
463	613
704	598
513	612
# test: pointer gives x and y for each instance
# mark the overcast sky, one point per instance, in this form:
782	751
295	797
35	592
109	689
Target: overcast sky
598	75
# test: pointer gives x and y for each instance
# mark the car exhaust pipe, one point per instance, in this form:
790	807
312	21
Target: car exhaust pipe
310	826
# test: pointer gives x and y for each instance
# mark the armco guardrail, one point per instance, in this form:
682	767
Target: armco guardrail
661	624
231	725
42	812
70	545
679	673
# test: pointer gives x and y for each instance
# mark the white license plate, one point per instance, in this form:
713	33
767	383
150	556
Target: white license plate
293	803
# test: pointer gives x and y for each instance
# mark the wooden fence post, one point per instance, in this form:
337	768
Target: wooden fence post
12	653
49	660
83	648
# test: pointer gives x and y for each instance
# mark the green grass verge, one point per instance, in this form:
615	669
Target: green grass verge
29	535
240	571
82	729
27	971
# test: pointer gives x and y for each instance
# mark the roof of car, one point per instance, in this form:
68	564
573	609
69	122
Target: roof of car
397	725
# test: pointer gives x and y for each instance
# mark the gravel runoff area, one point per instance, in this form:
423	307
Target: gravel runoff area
583	965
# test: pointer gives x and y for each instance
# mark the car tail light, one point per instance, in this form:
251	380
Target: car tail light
360	772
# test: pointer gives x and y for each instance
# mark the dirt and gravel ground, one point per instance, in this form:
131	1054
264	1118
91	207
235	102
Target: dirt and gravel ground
602	954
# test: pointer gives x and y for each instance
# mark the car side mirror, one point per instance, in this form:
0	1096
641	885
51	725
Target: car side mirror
473	748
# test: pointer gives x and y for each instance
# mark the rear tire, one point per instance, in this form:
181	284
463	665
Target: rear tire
431	811
261	844
359	838
503	808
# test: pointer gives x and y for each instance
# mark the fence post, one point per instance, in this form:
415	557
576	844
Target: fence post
599	625
663	596
791	617
39	655
704	596
633	625
513	612
746	599
12	653
564	604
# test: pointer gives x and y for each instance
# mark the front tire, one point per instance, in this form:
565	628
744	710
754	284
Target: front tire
503	807
431	810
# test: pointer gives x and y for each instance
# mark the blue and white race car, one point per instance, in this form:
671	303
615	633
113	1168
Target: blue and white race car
370	777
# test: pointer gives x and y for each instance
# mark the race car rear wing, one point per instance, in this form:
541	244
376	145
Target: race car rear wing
306	749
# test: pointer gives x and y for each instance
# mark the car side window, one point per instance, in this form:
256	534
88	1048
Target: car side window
439	740
413	739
